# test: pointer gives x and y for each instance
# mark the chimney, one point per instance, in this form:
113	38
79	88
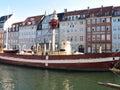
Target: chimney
88	9
65	10
101	9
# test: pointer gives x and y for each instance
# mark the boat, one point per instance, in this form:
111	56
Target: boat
111	85
115	70
10	51
63	59
81	62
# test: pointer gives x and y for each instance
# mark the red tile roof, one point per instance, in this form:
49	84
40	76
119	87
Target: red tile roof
34	19
17	23
87	12
117	8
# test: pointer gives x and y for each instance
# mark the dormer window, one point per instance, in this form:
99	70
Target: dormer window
72	17
31	19
17	25
29	23
116	12
106	13
33	22
23	23
82	16
92	15
69	17
77	17
13	26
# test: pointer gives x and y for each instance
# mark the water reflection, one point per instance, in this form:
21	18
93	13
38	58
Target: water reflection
18	78
67	85
6	81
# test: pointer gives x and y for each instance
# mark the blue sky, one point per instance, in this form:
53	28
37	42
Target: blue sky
26	8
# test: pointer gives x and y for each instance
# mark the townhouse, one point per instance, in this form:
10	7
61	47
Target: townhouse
5	23
27	32
13	36
116	30
99	30
73	28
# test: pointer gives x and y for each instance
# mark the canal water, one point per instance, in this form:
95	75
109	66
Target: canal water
22	78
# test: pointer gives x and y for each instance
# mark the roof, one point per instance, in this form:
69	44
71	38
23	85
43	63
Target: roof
117	8
102	11
34	20
76	12
4	18
60	16
17	23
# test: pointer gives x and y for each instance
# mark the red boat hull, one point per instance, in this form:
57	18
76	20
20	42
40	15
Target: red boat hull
71	62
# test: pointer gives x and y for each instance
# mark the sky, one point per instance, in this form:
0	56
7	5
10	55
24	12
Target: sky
22	9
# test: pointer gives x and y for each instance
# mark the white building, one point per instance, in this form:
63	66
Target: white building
27	32
73	28
5	24
13	36
116	30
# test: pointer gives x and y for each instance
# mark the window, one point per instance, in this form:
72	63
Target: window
102	20
75	30
108	46
108	28
107	19
103	28
81	22
118	19
72	17
98	28
98	37
114	45
81	38
63	24
93	37
98	20
116	12
32	19
114	20
114	28
102	37
88	29
77	18
82	16
114	36
75	23
88	21
81	29
119	45
118	28
108	36
69	17
118	36
75	38
93	28
88	38
68	38
93	21
71	38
